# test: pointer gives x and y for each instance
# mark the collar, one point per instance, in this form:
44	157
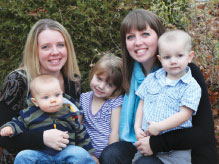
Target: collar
161	76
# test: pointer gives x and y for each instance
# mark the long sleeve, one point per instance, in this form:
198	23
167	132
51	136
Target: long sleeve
12	99
200	138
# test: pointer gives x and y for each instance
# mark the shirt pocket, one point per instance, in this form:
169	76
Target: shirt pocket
151	96
173	98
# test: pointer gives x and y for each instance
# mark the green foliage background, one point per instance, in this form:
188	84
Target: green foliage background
93	25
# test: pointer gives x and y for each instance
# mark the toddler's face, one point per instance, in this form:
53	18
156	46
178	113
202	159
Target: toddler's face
49	97
174	58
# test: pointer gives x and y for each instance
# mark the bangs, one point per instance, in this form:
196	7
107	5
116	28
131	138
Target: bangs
110	78
135	22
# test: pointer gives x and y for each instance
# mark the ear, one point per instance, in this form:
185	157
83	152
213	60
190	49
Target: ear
191	55
34	101
159	58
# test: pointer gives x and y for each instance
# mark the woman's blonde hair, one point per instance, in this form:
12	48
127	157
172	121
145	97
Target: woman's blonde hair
30	62
111	66
138	19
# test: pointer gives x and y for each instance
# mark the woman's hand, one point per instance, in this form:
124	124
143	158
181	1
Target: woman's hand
55	139
143	146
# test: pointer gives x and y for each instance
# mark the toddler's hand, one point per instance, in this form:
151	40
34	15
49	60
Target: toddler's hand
140	133
153	128
6	131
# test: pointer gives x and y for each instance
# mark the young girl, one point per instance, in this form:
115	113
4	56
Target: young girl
102	105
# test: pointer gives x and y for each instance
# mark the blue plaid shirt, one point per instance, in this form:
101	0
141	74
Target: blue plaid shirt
162	100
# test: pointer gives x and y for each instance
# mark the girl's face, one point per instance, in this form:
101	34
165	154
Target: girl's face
142	45
101	87
52	51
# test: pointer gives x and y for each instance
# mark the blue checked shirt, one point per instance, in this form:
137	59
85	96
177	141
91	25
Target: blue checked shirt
162	100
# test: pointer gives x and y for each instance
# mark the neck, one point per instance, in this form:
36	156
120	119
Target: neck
147	66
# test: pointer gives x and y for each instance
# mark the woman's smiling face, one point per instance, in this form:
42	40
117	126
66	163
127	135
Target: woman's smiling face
142	45
52	51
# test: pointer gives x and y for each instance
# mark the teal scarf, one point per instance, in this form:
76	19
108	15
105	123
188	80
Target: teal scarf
130	104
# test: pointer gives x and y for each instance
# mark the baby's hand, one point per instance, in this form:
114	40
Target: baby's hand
140	133
6	131
153	128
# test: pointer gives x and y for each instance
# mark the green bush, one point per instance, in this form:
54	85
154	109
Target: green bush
93	25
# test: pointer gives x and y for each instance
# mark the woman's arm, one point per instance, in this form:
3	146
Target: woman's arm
12	100
202	131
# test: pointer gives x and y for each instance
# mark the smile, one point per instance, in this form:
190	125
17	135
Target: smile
54	61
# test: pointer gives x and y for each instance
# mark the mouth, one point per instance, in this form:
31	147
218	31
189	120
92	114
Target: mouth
141	52
54	106
174	68
55	61
98	91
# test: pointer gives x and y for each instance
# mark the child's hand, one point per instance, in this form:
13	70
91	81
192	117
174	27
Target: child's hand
95	159
6	131
140	133
153	128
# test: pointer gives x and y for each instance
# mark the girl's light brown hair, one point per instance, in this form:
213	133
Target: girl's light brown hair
111	66
139	20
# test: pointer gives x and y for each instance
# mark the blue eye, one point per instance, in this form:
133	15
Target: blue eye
45	47
166	57
130	37
46	97
58	94
99	78
180	55
146	34
61	45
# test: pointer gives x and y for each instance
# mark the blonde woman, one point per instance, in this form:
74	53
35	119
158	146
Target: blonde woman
48	50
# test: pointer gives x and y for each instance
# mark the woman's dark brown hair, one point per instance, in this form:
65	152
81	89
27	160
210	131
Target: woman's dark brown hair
139	20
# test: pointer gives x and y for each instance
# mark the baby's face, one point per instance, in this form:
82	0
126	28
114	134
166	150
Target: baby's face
49	97
174	58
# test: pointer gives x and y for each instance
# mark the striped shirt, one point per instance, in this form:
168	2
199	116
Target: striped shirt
98	126
162	100
66	119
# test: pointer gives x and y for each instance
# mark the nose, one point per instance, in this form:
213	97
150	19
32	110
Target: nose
52	100
138	40
173	60
101	85
54	50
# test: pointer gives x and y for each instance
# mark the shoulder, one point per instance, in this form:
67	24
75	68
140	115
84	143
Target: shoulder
117	101
118	98
85	95
17	75
15	88
193	88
